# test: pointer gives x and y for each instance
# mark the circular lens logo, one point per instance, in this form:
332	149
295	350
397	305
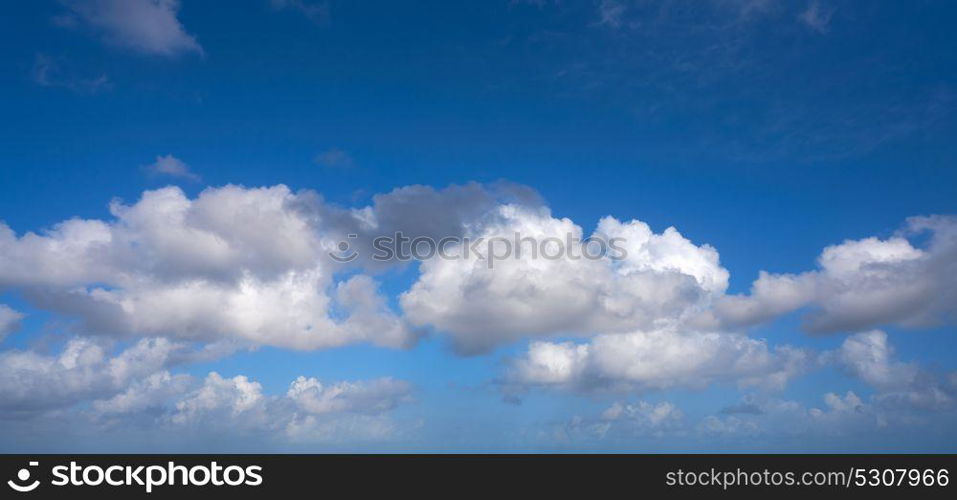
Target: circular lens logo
23	475
345	253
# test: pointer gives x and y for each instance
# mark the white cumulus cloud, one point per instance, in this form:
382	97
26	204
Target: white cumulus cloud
661	280
654	360
31	382
309	411
862	284
244	264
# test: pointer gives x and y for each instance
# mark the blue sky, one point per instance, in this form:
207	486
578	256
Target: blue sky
767	130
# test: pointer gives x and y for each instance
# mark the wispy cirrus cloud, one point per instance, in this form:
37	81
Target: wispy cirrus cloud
149	27
171	166
335	158
817	16
47	72
317	12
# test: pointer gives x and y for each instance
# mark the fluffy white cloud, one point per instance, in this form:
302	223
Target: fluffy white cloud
375	396
291	311
255	265
220	400
862	284
149	393
661	280
309	411
9	321
658	359
146	26
32	382
236	266
85	385
164	236
221	397
247	264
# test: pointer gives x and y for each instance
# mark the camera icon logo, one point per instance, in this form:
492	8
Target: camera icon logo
23	475
345	252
